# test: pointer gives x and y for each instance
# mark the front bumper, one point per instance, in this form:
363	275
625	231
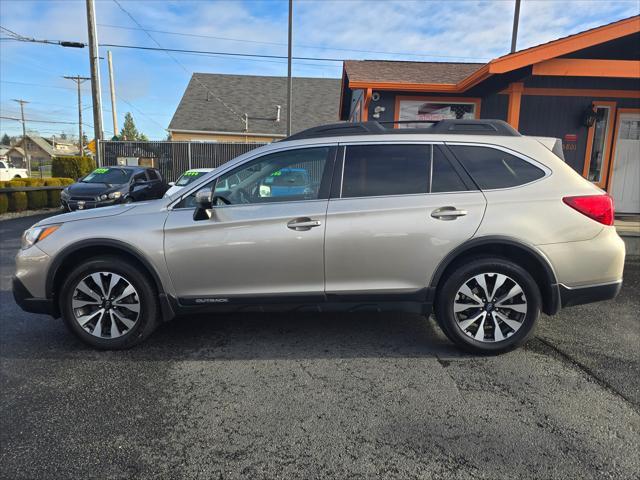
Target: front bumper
589	294
73	205
29	303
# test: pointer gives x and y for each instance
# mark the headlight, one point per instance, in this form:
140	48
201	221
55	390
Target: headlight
35	234
115	195
102	197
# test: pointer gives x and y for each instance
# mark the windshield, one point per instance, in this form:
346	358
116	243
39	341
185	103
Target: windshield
188	177
112	176
288	177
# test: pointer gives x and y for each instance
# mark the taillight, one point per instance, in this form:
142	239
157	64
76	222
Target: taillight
597	207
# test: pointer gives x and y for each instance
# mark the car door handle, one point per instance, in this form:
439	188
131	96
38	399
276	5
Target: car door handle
303	224
448	213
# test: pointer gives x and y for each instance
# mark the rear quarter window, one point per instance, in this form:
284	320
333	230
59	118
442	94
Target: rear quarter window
492	168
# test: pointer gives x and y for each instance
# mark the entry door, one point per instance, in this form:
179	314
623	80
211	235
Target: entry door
401	209
625	183
265	236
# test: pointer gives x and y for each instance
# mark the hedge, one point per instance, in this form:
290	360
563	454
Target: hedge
71	167
4	203
33	200
18	202
53	196
36	199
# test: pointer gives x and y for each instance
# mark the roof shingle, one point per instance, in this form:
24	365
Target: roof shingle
315	102
408	72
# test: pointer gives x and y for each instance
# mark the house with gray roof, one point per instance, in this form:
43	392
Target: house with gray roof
41	151
251	108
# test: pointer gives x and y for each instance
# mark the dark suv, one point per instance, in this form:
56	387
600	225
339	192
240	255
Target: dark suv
111	185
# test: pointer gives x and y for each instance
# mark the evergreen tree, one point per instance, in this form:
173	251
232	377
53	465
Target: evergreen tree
129	130
6	140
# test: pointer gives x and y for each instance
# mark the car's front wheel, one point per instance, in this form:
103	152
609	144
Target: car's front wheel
108	303
488	305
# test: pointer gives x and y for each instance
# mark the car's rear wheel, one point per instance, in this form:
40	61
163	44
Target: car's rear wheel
488	305
109	304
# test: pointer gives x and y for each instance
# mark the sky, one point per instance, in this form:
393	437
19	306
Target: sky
150	84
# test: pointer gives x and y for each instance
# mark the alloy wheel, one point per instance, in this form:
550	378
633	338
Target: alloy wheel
106	305
490	307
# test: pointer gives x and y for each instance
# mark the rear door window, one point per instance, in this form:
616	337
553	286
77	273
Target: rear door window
492	168
377	170
444	178
383	170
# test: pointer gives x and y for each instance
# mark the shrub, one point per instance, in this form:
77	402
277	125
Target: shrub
71	167
4	203
53	196
31	182
36	198
18	202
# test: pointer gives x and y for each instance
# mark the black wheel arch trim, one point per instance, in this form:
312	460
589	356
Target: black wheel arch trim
165	306
553	304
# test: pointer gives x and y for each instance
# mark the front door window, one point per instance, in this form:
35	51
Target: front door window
288	176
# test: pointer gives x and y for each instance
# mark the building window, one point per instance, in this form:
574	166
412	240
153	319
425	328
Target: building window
599	143
434	109
356	115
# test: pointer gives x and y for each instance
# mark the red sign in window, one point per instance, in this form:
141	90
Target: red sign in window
571	137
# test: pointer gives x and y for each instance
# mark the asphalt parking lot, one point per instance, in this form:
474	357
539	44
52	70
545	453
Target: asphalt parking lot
320	396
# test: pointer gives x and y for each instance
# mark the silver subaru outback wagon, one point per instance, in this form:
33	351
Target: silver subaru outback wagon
468	220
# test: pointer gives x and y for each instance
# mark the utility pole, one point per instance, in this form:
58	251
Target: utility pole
516	20
79	80
96	92
289	92
24	136
112	86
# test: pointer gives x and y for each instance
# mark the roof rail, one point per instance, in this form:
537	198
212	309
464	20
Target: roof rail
448	127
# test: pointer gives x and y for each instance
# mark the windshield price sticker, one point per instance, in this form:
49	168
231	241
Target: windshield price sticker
191	173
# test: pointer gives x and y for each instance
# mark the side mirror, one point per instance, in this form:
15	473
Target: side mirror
203	203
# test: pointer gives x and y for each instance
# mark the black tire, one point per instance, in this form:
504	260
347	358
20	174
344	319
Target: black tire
447	293
147	319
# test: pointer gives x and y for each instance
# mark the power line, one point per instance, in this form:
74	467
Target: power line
160	48
279	44
37	121
36	84
228	107
71	88
79	81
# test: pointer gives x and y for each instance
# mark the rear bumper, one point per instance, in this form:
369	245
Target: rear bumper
589	294
28	302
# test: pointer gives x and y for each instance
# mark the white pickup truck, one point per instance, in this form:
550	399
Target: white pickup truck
7	172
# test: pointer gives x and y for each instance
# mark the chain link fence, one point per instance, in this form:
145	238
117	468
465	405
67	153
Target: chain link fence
172	158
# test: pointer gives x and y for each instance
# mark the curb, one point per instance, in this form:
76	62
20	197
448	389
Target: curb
29	213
